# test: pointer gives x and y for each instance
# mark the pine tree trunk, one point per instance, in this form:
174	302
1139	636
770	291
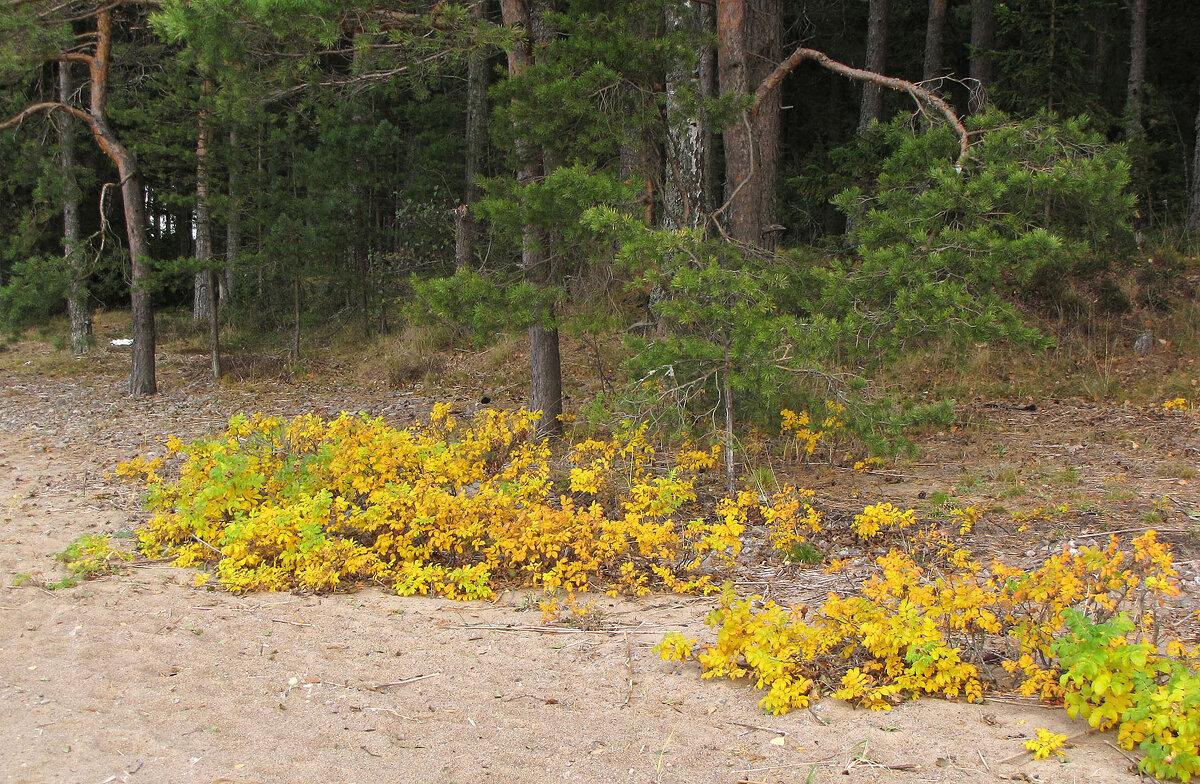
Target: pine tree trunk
872	97
296	314
1194	212
204	306
142	379
1136	86
983	41
764	26
545	363
476	121
78	310
133	195
462	237
1135	89
233	226
935	29
748	49
741	214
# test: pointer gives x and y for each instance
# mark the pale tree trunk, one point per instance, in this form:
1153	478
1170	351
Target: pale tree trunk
78	310
983	41
709	90
935	33
727	396
1194	212
204	307
203	223
464	219
686	151
872	97
233	226
545	364
683	178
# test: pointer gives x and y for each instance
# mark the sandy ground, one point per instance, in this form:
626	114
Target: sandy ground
143	677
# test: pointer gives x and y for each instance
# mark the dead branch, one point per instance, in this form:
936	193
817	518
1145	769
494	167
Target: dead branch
46	106
919	94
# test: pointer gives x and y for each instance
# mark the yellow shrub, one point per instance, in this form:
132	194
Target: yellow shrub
446	508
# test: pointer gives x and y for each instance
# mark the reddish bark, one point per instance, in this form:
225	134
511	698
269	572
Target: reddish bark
748	43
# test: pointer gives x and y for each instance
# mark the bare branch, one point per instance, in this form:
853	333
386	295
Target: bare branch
45	106
919	94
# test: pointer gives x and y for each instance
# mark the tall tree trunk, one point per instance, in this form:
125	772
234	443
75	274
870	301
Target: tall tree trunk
683	177
935	30
872	97
142	379
78	310
464	224
764	42
686	151
233	226
747	33
727	399
709	90
741	219
204	307
545	363
983	41
1136	86
296	312
1135	97
1194	212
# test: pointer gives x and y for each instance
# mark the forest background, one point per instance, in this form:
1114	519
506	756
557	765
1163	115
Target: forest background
703	195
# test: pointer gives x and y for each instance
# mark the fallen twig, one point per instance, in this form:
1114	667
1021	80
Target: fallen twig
382	686
629	666
612	630
292	623
1121	751
1016	757
825	761
780	733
